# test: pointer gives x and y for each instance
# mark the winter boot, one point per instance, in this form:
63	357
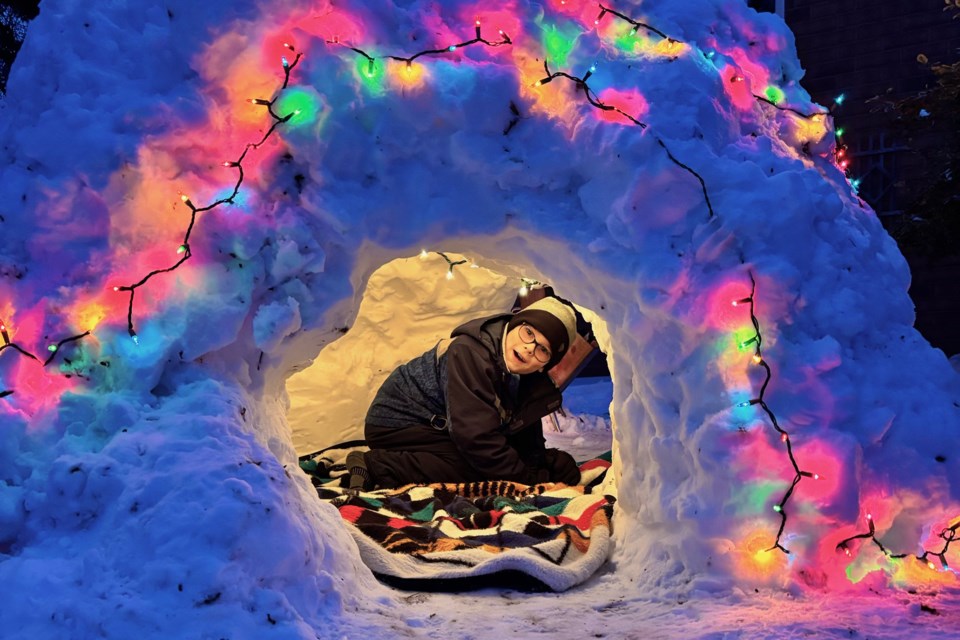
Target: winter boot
360	478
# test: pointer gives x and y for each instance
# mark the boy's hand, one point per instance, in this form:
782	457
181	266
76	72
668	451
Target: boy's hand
562	467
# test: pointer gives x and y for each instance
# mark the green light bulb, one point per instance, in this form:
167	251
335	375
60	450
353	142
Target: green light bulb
775	94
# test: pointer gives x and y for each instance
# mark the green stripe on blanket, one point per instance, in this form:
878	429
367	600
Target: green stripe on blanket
461	535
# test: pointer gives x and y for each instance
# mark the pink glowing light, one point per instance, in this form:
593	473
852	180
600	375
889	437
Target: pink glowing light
737	88
822	460
629	101
333	26
38	387
583	11
721	313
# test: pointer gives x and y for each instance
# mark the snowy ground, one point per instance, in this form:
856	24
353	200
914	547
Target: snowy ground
585	429
602	608
609	606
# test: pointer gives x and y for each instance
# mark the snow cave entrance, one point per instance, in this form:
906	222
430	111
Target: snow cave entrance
405	306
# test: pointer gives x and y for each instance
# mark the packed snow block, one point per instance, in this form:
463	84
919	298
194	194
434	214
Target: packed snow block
694	195
275	321
182	507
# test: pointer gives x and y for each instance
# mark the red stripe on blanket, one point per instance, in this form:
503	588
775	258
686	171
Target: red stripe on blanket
399	523
584	521
455	521
594	464
351	513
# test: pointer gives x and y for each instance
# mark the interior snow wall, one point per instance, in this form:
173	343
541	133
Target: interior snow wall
408	305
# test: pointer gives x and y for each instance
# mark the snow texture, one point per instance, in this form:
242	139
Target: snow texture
150	487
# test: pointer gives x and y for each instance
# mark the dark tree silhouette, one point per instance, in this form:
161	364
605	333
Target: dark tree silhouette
930	227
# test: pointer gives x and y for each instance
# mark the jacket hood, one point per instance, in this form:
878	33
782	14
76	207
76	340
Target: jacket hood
488	331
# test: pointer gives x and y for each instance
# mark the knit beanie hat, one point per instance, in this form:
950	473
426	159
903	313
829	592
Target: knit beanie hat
555	320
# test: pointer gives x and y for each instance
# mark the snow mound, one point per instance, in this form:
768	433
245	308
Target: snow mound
653	181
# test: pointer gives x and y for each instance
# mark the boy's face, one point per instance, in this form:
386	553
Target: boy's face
522	346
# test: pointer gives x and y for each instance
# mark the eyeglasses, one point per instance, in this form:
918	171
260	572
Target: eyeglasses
540	352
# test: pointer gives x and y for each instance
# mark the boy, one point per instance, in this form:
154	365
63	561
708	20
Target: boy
469	409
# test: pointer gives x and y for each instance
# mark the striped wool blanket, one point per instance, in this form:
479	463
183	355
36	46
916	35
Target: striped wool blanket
460	536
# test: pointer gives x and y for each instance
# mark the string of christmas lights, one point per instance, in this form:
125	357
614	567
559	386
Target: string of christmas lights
450	262
278	120
526	284
7	344
581	83
809	116
184	248
637	25
479	39
757	342
947	534
840	151
54	349
840	157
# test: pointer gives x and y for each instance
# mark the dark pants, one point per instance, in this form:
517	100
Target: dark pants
416	454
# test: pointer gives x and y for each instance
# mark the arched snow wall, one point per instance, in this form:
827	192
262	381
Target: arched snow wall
465	153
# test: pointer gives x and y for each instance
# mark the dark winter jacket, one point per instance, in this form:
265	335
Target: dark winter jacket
462	386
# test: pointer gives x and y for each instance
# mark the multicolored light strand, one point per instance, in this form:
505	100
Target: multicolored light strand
757	342
840	157
637	25
54	349
183	250
450	262
184	247
371	60
947	534
581	83
278	120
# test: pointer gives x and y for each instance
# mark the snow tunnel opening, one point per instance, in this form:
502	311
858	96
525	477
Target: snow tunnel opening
406	305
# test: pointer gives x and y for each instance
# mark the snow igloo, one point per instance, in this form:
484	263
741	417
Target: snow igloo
197	196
